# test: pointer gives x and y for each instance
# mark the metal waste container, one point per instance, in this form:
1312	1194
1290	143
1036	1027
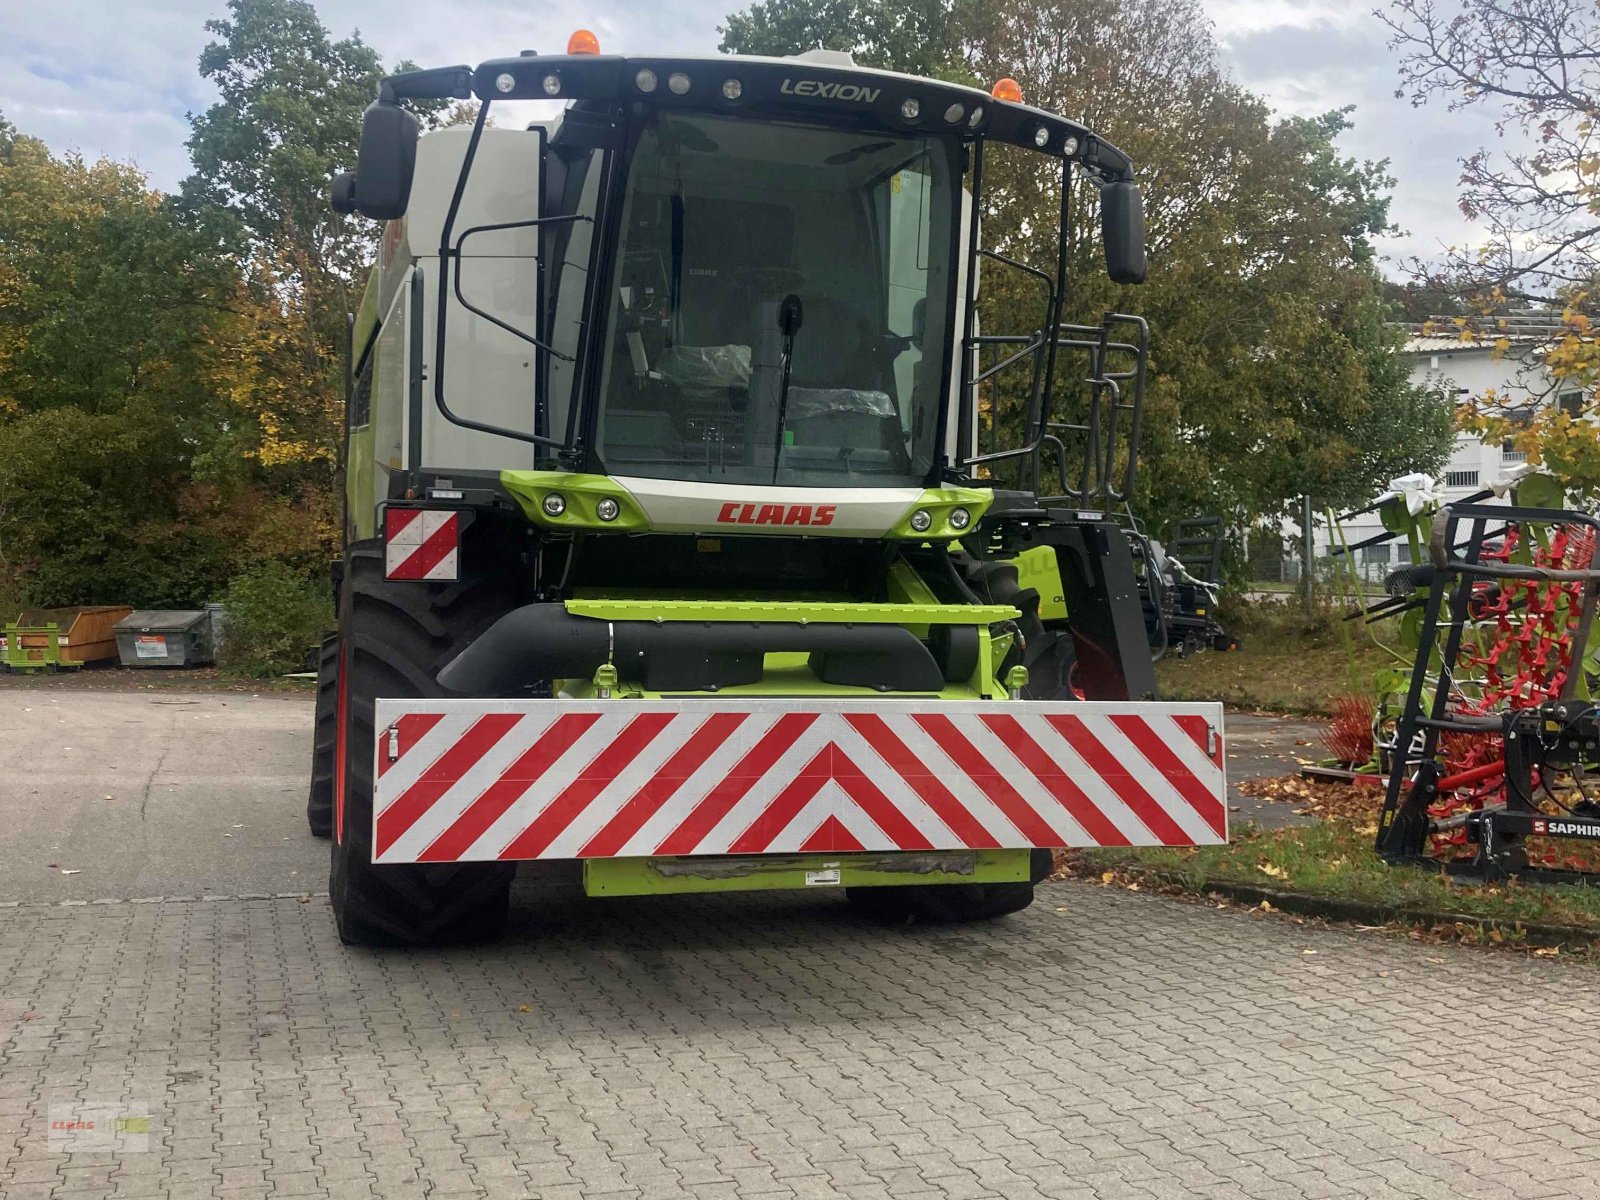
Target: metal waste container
166	638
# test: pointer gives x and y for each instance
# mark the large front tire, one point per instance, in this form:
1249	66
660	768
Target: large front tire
394	639
324	740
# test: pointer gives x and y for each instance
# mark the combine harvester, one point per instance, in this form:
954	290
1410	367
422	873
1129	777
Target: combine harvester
670	545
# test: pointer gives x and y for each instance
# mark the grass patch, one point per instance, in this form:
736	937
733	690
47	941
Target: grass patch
1335	859
1287	662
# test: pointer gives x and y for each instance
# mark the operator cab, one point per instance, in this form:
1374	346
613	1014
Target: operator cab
754	273
782	290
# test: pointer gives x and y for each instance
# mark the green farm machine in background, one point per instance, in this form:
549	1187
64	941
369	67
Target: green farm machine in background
671	547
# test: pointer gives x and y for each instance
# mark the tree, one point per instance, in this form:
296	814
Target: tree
915	36
129	465
1273	373
1536	65
288	115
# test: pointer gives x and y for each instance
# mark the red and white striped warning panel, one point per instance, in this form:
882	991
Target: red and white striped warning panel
479	780
421	543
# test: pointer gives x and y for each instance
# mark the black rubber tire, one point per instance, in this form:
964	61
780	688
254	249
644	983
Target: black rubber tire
394	639
1052	667
324	739
948	903
1052	655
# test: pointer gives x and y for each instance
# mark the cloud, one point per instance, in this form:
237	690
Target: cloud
120	86
1309	58
118	80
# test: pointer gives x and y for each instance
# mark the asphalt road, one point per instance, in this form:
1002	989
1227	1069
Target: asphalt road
131	794
1100	1045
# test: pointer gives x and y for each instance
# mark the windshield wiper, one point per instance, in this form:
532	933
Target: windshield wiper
791	314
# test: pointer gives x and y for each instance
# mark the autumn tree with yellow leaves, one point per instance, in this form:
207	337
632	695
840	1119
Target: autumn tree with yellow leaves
171	367
139	458
1536	65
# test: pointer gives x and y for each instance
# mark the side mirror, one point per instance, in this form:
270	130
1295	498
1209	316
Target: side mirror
1122	230
343	198
385	164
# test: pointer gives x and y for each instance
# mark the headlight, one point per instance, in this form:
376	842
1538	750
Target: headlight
960	518
552	85
645	80
922	520
607	509
554	504
505	82
1041	137
910	109
678	83
732	89
1069	147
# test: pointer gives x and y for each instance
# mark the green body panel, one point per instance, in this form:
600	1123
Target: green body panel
671	876
358	482
907	587
360	496
1037	568
366	323
33	658
581	493
787	674
939	503
784	610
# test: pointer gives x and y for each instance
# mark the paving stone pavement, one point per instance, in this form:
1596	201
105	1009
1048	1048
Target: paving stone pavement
1101	1044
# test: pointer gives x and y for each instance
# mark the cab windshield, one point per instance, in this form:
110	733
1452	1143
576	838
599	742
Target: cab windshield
780	314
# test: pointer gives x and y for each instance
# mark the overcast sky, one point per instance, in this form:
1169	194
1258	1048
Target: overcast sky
116	78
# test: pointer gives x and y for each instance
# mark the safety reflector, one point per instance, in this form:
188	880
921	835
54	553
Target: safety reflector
421	543
477	780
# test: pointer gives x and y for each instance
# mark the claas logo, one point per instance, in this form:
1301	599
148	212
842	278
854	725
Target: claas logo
734	513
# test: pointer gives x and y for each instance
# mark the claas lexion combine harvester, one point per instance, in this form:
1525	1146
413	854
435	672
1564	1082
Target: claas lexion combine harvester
671	548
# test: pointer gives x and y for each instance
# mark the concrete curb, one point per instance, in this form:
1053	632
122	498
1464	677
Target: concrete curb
1336	908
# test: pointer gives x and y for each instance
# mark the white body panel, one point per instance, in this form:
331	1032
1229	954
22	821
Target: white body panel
503	188
489	371
679	506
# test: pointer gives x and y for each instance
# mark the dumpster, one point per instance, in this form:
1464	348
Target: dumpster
166	638
43	639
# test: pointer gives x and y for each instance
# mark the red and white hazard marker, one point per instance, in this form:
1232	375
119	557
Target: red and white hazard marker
421	543
480	780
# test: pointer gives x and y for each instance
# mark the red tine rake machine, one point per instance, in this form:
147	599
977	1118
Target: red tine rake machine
1492	751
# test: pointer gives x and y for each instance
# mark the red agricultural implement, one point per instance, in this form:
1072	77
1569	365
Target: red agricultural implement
1492	750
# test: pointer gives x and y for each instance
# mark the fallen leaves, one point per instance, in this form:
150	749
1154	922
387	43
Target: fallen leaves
1317	797
1272	869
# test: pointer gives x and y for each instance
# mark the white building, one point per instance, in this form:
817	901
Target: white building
1466	369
